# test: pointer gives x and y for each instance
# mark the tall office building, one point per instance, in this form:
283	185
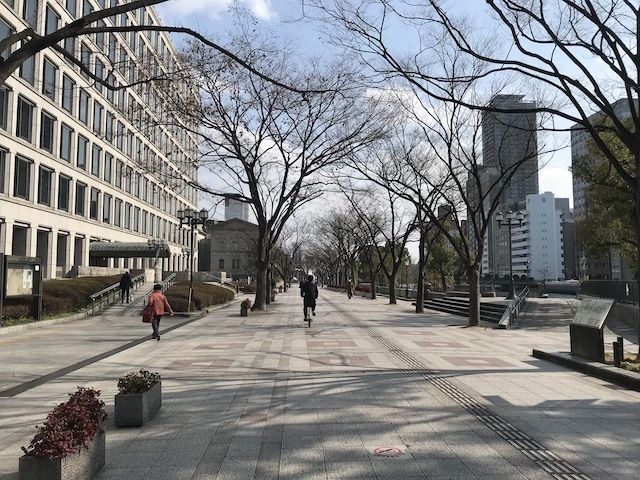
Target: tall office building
236	209
81	165
509	149
510	139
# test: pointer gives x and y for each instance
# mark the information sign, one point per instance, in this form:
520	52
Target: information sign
593	312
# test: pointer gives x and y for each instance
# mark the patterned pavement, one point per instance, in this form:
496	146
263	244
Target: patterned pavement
370	391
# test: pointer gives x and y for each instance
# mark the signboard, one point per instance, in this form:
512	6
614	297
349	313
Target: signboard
593	312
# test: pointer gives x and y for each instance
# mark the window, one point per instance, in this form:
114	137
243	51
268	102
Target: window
24	124
3	168
4	107
86	8
49	75
22	179
235	263
27	69
29	11
98	111
5	31
118	174
108	131
81	159
99	74
65	142
128	175
108	165
44	186
119	136
85	59
143	222
93	204
127	216
221	263
81	191
52	19
64	185
152	224
106	208
83	107
117	212
68	87
113	48
136	185
47	124
70	45
136	219
96	153
72	7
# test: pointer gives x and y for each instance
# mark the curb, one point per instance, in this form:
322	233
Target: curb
616	375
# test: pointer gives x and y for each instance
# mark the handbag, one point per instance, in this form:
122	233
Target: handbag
148	314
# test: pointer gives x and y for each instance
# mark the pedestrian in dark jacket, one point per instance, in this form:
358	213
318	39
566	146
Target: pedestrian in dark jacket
125	287
309	291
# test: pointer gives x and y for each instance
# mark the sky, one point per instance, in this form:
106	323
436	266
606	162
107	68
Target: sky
211	17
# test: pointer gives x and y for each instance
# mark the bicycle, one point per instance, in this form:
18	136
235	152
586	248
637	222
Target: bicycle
307	315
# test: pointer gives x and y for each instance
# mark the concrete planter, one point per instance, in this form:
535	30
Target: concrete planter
134	410
82	465
244	312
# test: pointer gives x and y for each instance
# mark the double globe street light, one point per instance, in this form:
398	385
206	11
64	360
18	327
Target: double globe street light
190	217
509	219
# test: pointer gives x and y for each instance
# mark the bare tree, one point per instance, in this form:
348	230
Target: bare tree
388	222
295	235
267	144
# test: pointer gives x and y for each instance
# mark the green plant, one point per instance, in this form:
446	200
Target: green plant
137	382
204	295
70	426
246	304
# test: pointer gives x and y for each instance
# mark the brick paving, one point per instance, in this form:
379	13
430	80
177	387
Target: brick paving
370	391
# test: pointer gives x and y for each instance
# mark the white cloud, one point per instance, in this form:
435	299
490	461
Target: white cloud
193	10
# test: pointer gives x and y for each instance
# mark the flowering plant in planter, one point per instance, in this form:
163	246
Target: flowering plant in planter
246	304
70	426
137	382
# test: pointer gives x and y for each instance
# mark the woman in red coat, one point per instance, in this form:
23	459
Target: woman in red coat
160	305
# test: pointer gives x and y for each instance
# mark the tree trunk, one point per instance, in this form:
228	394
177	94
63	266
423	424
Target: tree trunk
443	280
421	268
474	296
373	286
392	289
261	282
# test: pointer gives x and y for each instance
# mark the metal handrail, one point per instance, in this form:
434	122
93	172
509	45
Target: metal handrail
510	315
219	280
102	299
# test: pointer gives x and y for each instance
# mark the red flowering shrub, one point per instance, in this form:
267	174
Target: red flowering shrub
70	425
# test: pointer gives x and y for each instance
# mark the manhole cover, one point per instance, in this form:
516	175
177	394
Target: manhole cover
388	451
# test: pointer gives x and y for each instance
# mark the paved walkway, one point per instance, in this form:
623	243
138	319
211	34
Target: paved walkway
370	391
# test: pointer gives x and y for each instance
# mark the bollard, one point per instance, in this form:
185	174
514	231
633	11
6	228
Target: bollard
616	354
621	348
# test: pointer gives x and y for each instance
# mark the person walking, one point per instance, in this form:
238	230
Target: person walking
309	291
125	287
160	305
349	289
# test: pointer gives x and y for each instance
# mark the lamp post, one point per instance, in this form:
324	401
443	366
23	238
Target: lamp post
156	245
190	217
510	219
406	277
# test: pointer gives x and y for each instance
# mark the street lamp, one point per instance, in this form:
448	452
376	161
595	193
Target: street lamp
510	219
190	217
157	245
406	277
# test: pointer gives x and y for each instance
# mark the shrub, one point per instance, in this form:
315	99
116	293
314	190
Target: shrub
204	295
137	382
246	303
70	426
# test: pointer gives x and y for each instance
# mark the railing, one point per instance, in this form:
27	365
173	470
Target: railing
510	315
219	280
166	283
106	296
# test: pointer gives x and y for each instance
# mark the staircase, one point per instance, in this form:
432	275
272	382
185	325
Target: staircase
489	311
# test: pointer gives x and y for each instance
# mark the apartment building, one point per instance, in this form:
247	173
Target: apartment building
82	164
